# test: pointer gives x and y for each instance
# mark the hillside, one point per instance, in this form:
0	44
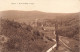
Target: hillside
23	16
22	39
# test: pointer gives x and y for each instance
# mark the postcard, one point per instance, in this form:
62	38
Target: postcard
39	25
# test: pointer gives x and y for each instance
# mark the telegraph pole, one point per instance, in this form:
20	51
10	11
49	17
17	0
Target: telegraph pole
57	35
36	22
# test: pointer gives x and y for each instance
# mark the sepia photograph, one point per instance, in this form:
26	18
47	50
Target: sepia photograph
39	25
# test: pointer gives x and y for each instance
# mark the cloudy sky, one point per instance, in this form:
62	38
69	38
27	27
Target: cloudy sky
55	6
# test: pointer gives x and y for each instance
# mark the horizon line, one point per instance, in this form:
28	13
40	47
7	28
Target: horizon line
38	11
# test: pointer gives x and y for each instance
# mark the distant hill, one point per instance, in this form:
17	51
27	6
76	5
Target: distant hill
23	16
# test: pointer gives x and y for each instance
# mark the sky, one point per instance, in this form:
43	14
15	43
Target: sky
54	6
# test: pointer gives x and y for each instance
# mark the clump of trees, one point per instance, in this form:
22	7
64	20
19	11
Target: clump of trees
68	26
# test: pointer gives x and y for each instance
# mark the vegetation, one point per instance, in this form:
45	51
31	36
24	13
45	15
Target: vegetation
22	38
68	26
